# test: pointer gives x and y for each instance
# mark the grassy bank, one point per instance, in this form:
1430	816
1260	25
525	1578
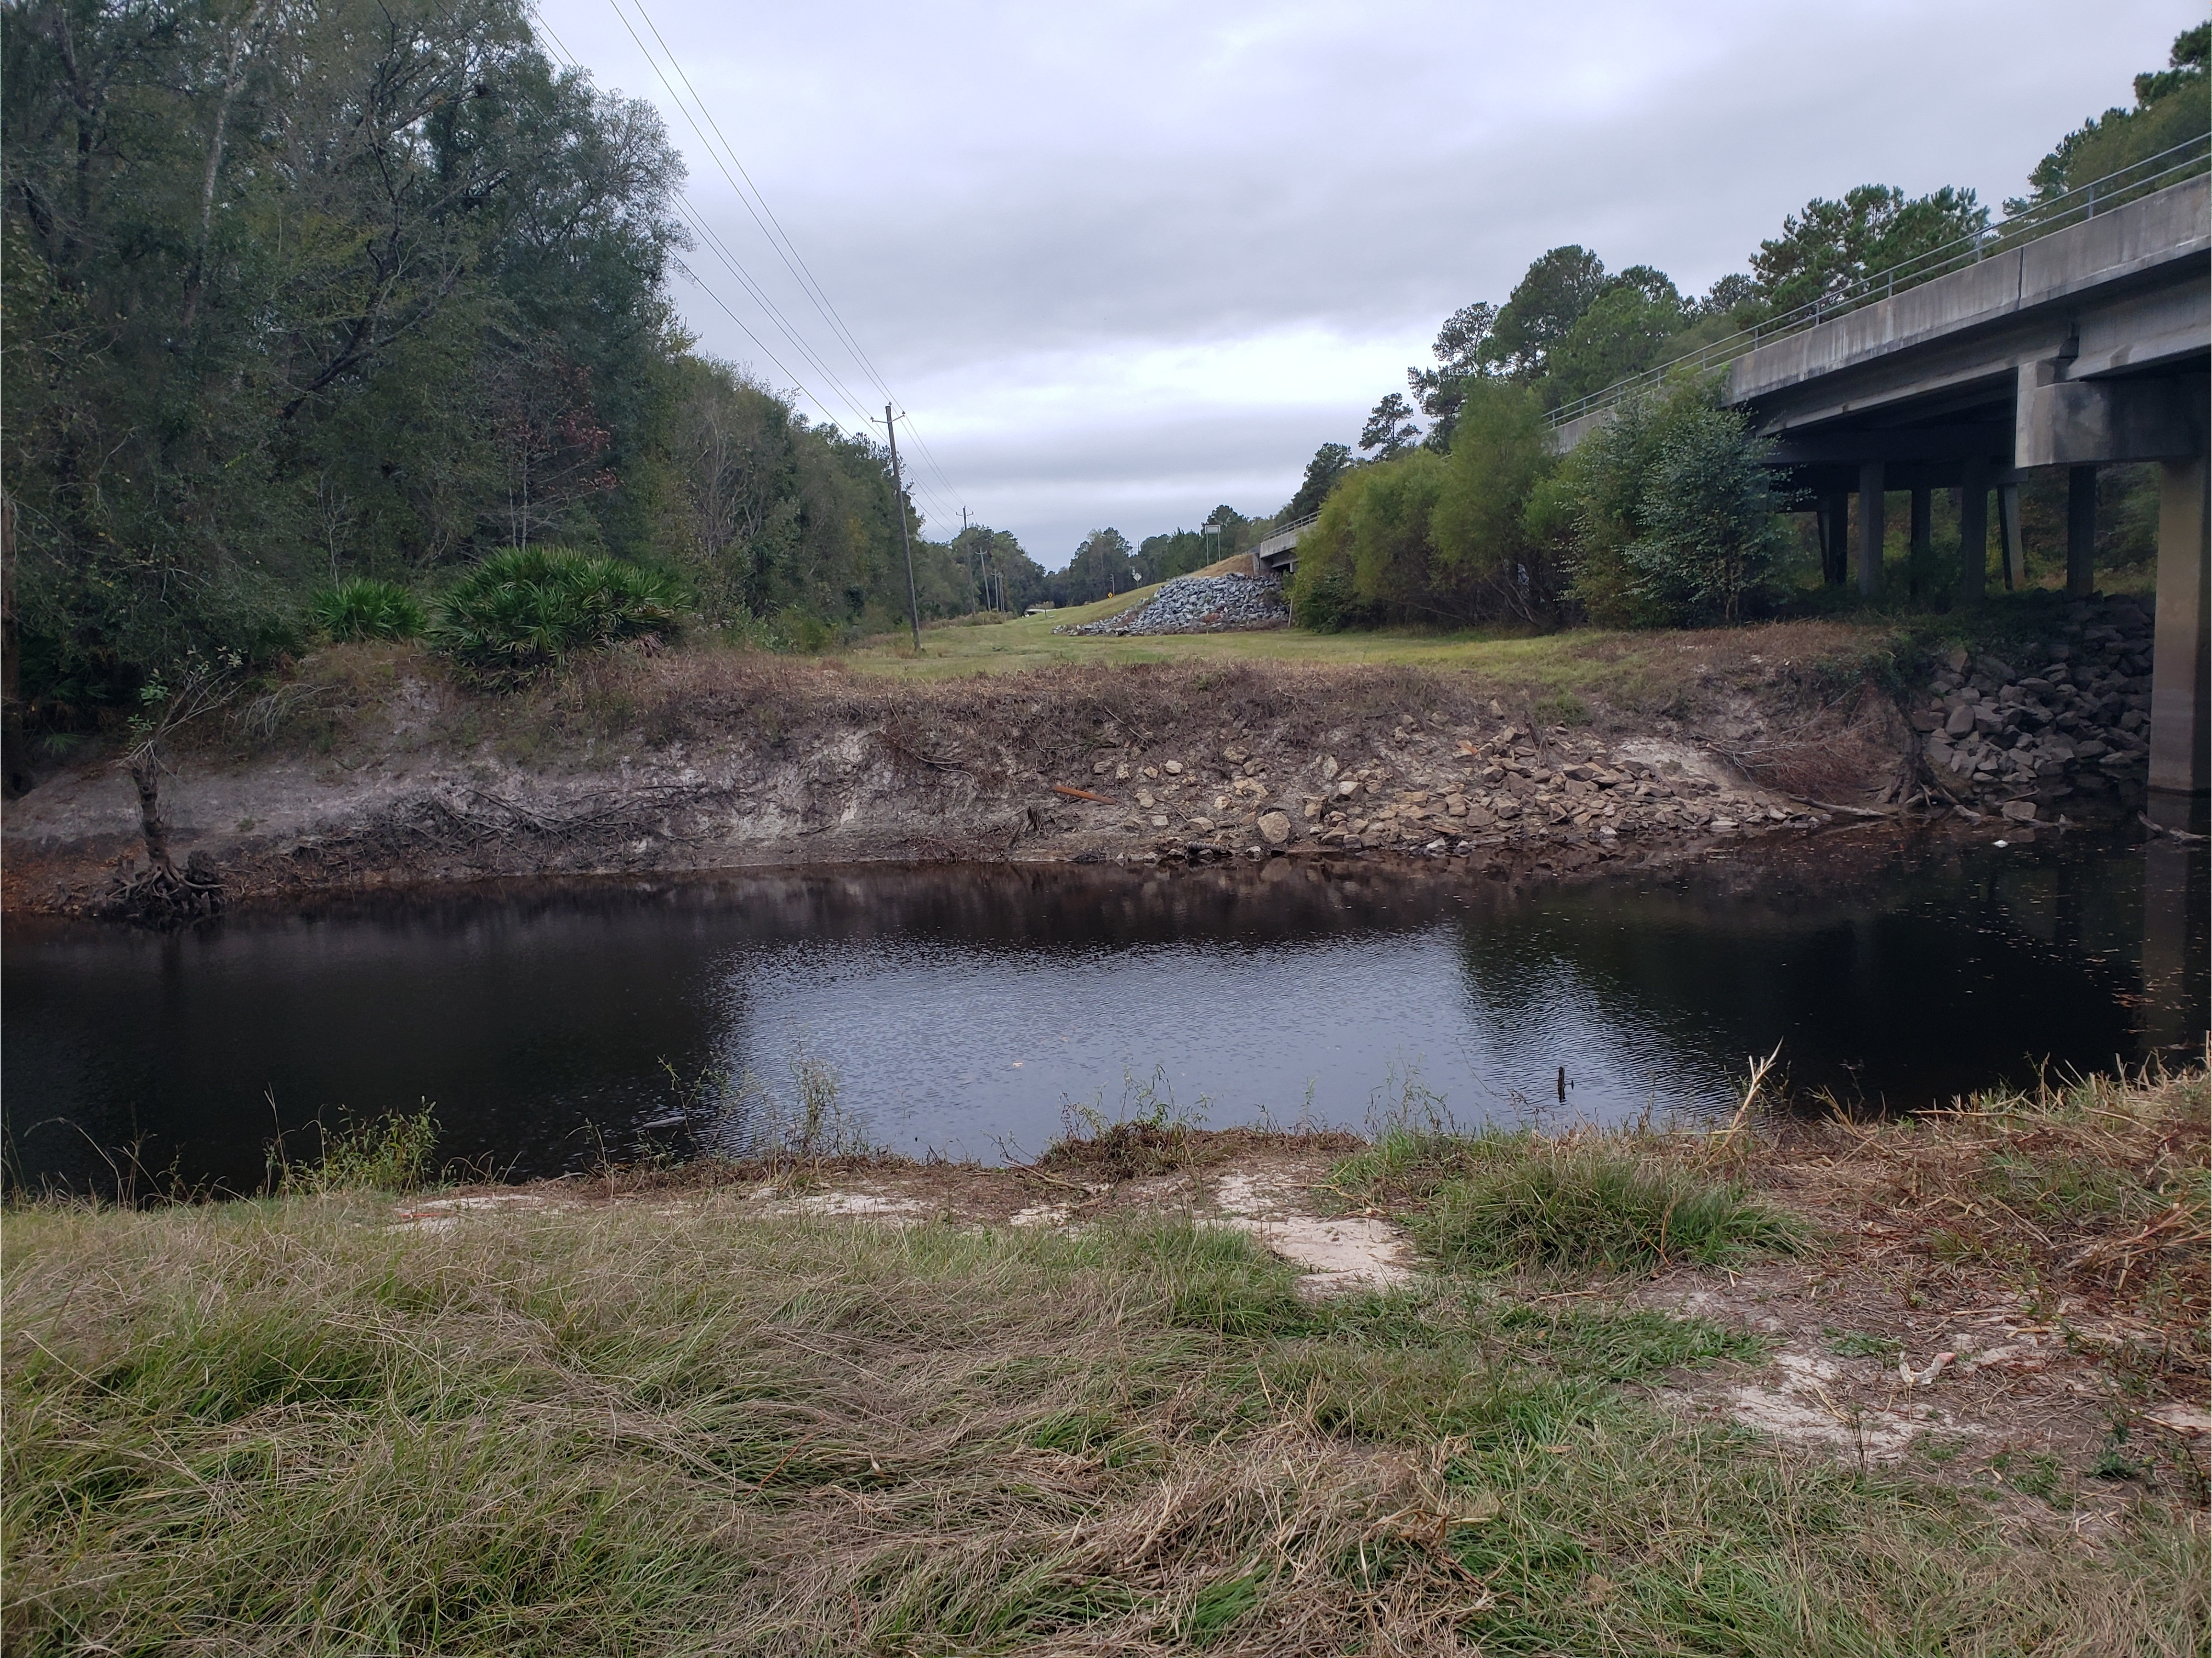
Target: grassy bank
1585	659
668	1421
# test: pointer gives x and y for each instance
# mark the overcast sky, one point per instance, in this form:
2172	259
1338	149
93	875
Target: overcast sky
1124	261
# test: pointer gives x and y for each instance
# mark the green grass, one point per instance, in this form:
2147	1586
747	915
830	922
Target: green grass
1553	667
1495	1202
287	1427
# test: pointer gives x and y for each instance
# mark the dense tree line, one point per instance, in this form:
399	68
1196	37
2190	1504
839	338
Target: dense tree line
302	290
1670	515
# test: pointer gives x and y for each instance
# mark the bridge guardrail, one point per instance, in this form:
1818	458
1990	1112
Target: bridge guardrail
1288	535
2039	219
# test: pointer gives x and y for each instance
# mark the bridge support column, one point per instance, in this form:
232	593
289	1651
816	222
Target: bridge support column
1974	533
2181	665
1924	540
2081	529
2015	551
1870	529
1835	521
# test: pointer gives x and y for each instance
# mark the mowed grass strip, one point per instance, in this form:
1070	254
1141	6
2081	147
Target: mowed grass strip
287	1427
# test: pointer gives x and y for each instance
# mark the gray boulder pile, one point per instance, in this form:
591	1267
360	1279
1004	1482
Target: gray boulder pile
2066	715
1199	605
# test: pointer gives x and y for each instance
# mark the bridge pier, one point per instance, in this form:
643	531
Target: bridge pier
1834	517
1924	538
2181	663
1973	533
1870	528
2080	531
2016	550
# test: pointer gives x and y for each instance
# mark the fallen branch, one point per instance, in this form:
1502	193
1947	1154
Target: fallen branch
1848	811
1074	794
2157	828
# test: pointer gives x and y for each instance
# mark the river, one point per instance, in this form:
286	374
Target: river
965	1010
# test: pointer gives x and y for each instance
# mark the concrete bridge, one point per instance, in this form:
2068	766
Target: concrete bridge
1277	554
2085	346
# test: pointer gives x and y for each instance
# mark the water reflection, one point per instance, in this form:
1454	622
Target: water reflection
964	1007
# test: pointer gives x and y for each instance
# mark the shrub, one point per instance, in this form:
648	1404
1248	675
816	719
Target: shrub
1647	487
519	612
1710	536
361	607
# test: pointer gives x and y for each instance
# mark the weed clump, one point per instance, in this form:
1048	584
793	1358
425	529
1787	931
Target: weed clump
388	1154
1151	1135
520	612
1496	1202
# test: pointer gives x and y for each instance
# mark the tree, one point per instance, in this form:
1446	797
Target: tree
1390	428
1101	568
1484	555
296	292
1458	349
1544	306
1708	529
1831	246
1625	330
1672	516
1330	462
2172	107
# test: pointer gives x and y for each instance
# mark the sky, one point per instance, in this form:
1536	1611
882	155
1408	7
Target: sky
1119	262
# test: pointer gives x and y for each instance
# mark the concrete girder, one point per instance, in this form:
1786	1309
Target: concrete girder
2075	423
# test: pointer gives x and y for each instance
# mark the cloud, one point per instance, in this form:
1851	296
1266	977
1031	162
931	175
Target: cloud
1125	261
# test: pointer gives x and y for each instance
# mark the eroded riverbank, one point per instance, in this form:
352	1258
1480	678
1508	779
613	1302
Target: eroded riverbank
370	769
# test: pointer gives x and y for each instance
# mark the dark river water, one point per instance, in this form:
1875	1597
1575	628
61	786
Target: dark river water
964	1010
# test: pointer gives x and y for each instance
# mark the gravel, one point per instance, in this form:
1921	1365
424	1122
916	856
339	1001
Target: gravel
1199	605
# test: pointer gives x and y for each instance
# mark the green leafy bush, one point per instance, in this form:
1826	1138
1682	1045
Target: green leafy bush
519	612
1675	525
361	607
1710	535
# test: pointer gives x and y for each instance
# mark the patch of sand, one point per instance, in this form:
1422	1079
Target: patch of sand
1339	1255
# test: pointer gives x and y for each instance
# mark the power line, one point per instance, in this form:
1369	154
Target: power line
720	250
807	283
772	228
758	293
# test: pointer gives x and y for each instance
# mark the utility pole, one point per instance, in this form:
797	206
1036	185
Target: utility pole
968	560
898	506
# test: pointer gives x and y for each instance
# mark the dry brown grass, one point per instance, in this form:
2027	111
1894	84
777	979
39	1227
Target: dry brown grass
655	1425
2094	1195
